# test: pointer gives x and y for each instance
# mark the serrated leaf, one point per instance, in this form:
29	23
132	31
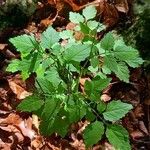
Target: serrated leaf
52	76
76	112
89	12
135	63
118	137
43	85
101	106
125	53
30	104
89	115
66	34
49	113
24	44
77	53
101	27
128	54
75	17
61	119
93	133
122	72
92	24
49	37
13	66
116	110
108	41
110	63
94	62
97	84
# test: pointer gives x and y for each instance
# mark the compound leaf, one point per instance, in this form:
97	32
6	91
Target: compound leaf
30	104
89	12
116	110
118	137
93	133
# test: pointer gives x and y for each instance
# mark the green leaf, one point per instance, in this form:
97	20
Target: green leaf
24	44
129	55
92	24
110	63
93	133
49	37
13	66
89	12
31	103
122	72
94	62
75	17
76	112
61	119
97	84
43	85
89	115
108	41
135	63
48	116
77	52
66	34
125	53
53	76
94	87
116	110
118	137
84	28
101	107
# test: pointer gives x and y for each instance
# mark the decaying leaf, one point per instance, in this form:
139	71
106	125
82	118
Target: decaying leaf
18	90
122	6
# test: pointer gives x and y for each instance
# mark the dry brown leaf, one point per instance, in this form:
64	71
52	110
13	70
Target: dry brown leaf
12	119
70	26
79	36
3	93
143	127
18	90
2	46
26	130
35	121
82	82
136	134
105	97
122	6
108	146
37	142
109	14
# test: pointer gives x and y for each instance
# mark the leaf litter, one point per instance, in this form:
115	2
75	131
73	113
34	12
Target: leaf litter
20	130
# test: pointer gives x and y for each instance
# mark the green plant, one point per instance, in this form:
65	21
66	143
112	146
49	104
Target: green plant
57	99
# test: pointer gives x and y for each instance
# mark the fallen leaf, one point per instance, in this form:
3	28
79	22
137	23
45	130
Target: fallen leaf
12	119
143	127
2	46
105	97
25	130
122	6
18	90
136	134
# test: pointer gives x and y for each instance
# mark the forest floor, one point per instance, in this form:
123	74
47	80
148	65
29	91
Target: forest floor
20	130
